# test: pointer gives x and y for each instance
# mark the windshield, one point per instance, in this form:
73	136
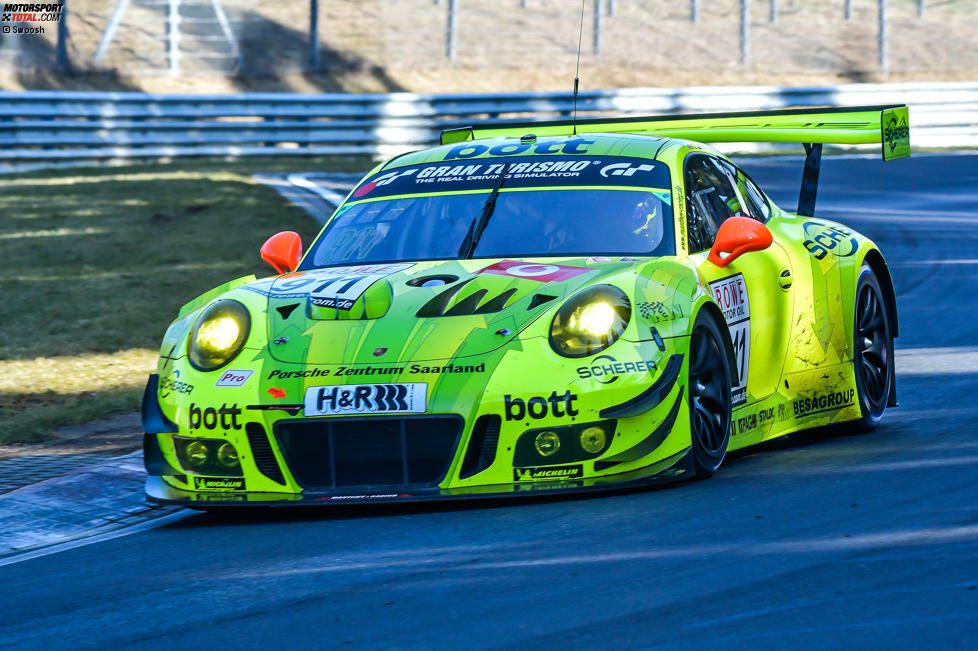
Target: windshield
547	207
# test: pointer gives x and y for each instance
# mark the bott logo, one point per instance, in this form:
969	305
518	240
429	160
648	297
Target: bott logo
470	150
538	407
210	418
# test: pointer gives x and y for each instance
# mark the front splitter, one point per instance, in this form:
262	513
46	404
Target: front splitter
673	469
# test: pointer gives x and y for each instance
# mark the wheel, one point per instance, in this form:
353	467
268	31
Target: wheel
709	394
872	356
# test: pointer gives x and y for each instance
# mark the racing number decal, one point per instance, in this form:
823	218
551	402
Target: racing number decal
730	294
342	287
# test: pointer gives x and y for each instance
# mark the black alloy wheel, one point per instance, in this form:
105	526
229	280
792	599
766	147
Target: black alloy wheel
872	349
709	394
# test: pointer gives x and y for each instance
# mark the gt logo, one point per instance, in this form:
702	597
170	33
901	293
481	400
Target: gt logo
383	179
624	169
390	177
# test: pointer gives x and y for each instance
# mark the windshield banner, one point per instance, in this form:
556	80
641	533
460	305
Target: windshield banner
523	172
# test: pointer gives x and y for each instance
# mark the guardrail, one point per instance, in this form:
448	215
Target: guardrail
60	126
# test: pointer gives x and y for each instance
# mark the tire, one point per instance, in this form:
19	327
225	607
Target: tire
872	355
709	394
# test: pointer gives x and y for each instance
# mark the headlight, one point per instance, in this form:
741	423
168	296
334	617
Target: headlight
218	335
590	321
215	457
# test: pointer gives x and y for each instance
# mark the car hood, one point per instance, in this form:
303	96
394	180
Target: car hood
416	311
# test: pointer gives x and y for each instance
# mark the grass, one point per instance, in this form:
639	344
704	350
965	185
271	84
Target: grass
97	261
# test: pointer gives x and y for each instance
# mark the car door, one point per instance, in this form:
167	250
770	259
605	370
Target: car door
753	291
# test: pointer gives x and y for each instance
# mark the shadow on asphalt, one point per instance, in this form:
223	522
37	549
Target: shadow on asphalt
317	513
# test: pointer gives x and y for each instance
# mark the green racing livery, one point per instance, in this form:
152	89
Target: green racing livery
537	307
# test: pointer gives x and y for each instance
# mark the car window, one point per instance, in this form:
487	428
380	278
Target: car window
754	199
711	197
554	205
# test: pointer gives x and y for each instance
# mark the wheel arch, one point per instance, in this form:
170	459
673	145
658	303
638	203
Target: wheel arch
880	269
712	308
876	262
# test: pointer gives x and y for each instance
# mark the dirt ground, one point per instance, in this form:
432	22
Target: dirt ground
400	45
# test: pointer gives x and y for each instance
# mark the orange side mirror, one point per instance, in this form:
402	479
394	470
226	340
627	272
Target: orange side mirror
737	236
282	251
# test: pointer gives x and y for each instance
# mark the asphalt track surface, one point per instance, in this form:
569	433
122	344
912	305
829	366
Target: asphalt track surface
850	540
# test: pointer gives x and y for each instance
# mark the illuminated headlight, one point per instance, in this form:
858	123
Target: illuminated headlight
218	335
590	321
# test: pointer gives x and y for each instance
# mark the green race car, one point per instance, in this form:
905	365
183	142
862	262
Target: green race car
547	306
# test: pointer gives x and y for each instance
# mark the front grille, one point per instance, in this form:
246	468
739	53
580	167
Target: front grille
328	453
261	450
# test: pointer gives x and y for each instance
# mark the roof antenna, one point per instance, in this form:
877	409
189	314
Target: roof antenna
577	73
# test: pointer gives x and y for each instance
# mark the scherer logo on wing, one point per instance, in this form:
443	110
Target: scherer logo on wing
606	369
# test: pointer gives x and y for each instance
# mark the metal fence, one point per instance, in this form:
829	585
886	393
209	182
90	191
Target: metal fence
193	37
58	125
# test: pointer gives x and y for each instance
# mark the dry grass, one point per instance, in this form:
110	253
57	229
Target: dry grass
385	45
96	263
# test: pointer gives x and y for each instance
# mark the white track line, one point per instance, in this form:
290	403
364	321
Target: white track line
330	196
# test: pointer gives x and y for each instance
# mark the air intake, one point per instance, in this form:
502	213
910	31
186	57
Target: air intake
482	446
261	450
474	303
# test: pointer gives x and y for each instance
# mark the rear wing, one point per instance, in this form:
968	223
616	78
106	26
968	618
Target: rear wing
812	127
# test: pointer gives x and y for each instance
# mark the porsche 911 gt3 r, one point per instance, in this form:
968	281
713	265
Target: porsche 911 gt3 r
535	307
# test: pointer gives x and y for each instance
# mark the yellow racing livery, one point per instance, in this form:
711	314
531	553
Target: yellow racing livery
547	306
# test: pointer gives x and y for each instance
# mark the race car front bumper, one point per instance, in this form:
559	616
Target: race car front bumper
673	469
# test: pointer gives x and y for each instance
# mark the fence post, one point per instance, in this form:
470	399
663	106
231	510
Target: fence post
611	7
597	26
314	34
774	11
884	64
920	8
173	36
744	31
450	45
62	48
110	27
694	11
848	9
